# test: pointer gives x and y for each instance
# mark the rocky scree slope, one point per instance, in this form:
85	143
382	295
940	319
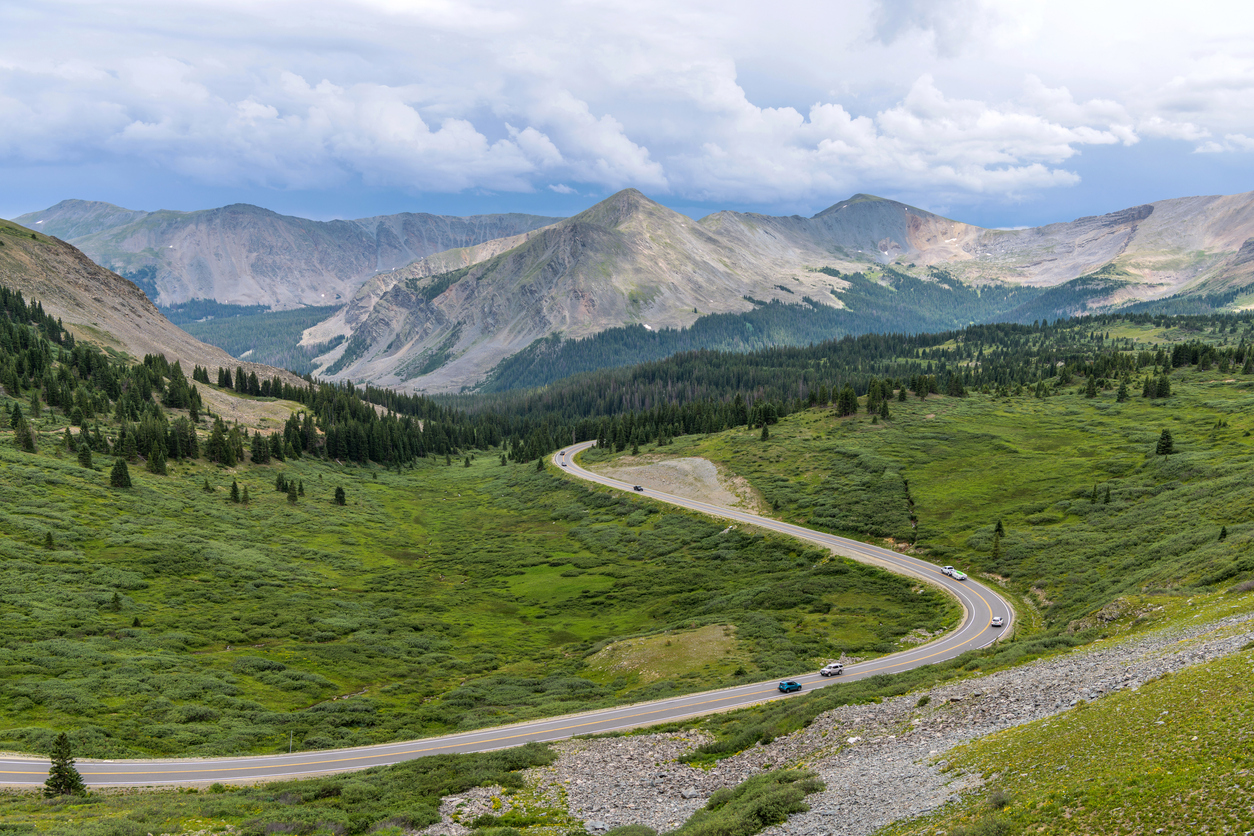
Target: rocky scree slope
246	255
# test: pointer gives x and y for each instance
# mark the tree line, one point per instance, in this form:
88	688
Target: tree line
692	392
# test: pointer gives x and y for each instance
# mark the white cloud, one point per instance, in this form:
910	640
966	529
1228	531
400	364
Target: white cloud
728	100
1231	142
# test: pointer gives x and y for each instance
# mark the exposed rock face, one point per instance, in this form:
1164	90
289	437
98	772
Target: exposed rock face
629	260
626	260
102	307
243	254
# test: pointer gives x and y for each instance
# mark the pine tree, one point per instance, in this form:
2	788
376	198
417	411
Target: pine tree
1165	444
246	498
129	451
1122	395
884	410
156	458
1106	501
291	492
540	464
1223	532
1090	388
115	603
24	437
502	460
235	491
300	486
120	476
206	487
63	778
340	498
766	433
846	401
48	543
84	455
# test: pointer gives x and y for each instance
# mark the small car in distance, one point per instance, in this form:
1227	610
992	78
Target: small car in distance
997	621
788	686
947	570
832	669
637	488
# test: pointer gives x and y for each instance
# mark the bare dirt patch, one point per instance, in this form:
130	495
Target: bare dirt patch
691	478
264	415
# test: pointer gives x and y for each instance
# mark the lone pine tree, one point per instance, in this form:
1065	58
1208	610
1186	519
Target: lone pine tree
63	778
1165	444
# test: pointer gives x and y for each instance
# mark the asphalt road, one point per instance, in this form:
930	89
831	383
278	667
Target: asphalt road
980	603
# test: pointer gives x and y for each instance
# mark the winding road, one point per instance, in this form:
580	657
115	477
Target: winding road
979	602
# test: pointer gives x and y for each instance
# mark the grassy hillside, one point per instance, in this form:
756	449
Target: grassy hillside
165	618
1090	512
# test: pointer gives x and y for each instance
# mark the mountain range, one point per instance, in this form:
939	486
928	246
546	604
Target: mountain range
433	303
448	320
246	255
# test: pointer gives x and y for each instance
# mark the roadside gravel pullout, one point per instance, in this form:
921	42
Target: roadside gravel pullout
691	477
881	762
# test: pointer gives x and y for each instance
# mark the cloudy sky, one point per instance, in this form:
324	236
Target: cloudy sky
1014	112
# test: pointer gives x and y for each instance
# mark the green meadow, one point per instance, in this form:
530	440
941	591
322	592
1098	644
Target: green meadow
1089	511
167	619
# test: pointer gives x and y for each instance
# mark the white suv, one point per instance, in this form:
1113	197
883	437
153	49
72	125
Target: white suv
832	669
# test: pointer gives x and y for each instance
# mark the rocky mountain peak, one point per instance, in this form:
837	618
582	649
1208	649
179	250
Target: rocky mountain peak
619	208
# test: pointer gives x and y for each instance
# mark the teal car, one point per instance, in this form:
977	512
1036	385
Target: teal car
788	686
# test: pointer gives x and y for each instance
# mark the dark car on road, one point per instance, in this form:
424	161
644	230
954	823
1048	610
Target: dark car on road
788	686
